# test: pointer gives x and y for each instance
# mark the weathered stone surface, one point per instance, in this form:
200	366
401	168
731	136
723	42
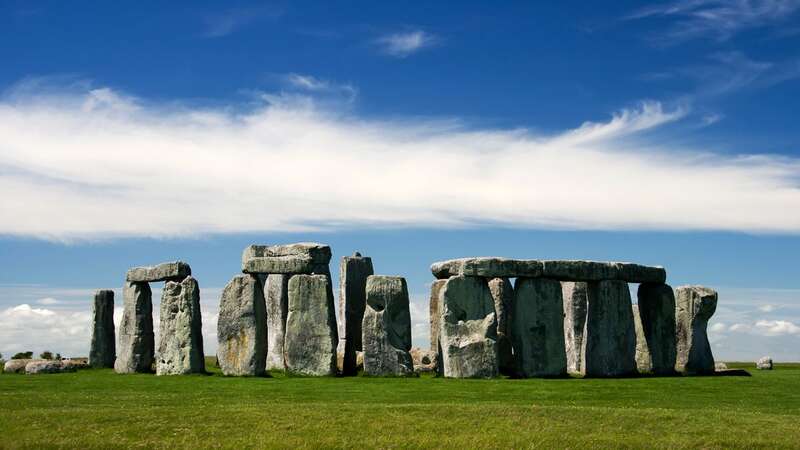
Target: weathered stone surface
435	310
609	340
487	267
311	337
180	340
16	365
644	363
353	273
764	363
386	328
77	363
656	307
242	327
468	334
276	293
424	360
301	258
637	273
176	271
694	305
563	270
47	366
503	296
575	297
537	328
102	351
720	366
136	341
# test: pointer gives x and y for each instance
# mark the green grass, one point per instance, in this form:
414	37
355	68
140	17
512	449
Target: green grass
97	408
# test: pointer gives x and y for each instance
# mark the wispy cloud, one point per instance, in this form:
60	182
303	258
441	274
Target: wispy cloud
404	44
717	19
316	85
226	22
162	170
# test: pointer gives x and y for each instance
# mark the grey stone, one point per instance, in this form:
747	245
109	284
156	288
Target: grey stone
563	270
487	267
720	366
180	340
575	296
637	273
644	362
764	363
276	293
311	337
386	327
503	296
242	327
424	360
353	273
537	328
435	317
656	303
694	305
136	341
175	271
468	334
102	351
609	339
300	258
15	365
47	366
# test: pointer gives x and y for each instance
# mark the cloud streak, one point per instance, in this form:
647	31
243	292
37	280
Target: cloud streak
98	164
404	44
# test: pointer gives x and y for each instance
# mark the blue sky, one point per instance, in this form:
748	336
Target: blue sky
657	133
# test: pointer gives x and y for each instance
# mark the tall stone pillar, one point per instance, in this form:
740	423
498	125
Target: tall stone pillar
694	306
503	296
435	311
353	273
136	341
387	327
180	340
311	338
656	303
644	362
537	328
609	340
102	352
575	297
276	294
242	327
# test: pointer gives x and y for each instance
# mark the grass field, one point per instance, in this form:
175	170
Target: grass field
97	408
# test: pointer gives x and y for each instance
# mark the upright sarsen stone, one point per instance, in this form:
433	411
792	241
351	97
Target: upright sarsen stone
276	293
656	303
537	328
644	362
102	352
694	306
435	318
386	327
468	334
353	273
311	338
503	296
609	340
575	296
180	340
136	341
242	327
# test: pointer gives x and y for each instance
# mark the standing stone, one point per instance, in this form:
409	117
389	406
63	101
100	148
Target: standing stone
435	317
575	296
276	293
102	352
136	341
764	363
353	273
694	306
311	338
386	327
180	340
644	362
468	334
656	306
609	339
242	327
537	328
503	296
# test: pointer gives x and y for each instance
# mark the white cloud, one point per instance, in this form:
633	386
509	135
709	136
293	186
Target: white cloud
158	170
766	308
319	86
776	327
25	328
717	328
48	301
406	43
226	22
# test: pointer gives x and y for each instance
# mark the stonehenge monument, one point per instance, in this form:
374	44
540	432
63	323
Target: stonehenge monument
242	327
656	309
575	299
435	318
644	362
353	273
276	295
180	340
387	327
537	328
311	337
503	295
694	306
609	339
136	344
102	351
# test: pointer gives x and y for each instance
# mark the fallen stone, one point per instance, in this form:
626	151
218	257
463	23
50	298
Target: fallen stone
424	360
468	334
764	363
174	271
47	366
300	258
15	365
487	267
720	366
537	328
311	337
609	340
644	363
276	294
180	340
136	345
575	298
503	296
102	350
76	363
656	311
242	328
353	273
386	328
694	306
